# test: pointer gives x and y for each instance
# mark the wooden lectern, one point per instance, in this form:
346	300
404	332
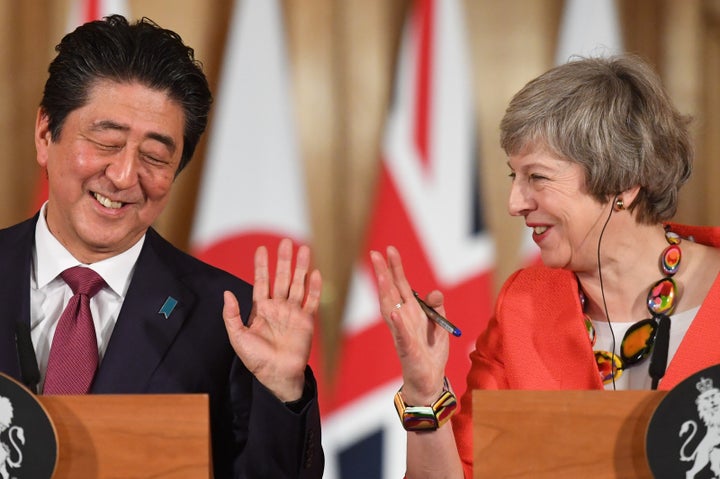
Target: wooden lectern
562	434
131	436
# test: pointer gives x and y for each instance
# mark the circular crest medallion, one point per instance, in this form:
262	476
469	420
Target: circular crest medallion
683	436
28	442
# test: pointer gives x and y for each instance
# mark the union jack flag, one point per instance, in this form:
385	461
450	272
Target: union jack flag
427	206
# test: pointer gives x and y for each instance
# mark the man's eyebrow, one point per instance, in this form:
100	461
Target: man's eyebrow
164	139
108	125
111	125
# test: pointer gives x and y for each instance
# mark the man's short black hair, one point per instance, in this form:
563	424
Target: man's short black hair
113	49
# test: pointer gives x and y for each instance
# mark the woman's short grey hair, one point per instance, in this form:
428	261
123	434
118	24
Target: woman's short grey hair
613	117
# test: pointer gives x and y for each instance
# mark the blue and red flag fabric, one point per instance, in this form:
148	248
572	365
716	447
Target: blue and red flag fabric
428	206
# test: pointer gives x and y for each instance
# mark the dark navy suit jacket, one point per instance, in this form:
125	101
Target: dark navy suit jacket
254	435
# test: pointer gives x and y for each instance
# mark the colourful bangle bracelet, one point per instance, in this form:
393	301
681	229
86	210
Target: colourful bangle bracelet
427	418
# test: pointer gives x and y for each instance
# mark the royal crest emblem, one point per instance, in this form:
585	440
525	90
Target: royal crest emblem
683	438
28	443
10	451
706	452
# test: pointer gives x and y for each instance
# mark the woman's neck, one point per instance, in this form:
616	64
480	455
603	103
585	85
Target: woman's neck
629	265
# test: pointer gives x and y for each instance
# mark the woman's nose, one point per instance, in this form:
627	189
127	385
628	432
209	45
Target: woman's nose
519	201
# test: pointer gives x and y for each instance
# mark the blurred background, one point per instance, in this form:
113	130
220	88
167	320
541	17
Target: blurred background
301	143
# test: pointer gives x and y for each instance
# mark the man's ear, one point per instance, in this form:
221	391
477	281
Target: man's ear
43	137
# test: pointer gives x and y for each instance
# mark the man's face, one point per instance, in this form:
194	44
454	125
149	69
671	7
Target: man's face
112	167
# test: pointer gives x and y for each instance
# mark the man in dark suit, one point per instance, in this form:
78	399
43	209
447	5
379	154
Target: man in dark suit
122	111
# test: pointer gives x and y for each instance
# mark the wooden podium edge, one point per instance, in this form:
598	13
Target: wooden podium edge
131	436
562	434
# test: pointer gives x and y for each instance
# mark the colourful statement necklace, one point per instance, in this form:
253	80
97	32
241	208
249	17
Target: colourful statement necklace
648	336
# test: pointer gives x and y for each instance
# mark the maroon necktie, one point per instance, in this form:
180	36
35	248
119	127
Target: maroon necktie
74	351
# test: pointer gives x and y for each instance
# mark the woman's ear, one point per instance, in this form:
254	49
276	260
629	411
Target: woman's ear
626	198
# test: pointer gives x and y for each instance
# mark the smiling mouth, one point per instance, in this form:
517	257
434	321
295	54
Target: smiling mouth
107	202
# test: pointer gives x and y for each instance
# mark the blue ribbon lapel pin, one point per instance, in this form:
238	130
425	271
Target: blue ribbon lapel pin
168	307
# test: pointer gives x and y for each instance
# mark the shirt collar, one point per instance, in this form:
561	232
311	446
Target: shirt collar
51	258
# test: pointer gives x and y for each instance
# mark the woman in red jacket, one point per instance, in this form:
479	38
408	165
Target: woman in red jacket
597	154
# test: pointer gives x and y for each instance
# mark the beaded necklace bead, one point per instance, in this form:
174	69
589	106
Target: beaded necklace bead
643	337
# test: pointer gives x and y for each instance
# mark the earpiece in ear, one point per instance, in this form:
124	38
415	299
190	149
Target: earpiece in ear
619	205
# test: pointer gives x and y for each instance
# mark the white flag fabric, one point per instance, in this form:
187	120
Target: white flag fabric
428	207
252	189
82	11
588	28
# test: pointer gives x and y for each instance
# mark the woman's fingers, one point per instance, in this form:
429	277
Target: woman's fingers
388	294
398	274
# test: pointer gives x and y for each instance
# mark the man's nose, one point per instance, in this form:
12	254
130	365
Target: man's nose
122	170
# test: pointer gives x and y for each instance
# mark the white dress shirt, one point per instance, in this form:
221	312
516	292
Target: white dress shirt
49	294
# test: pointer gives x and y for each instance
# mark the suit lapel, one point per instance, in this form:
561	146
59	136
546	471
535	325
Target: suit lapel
16	245
143	333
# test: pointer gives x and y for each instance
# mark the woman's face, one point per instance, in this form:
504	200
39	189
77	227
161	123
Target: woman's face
566	220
